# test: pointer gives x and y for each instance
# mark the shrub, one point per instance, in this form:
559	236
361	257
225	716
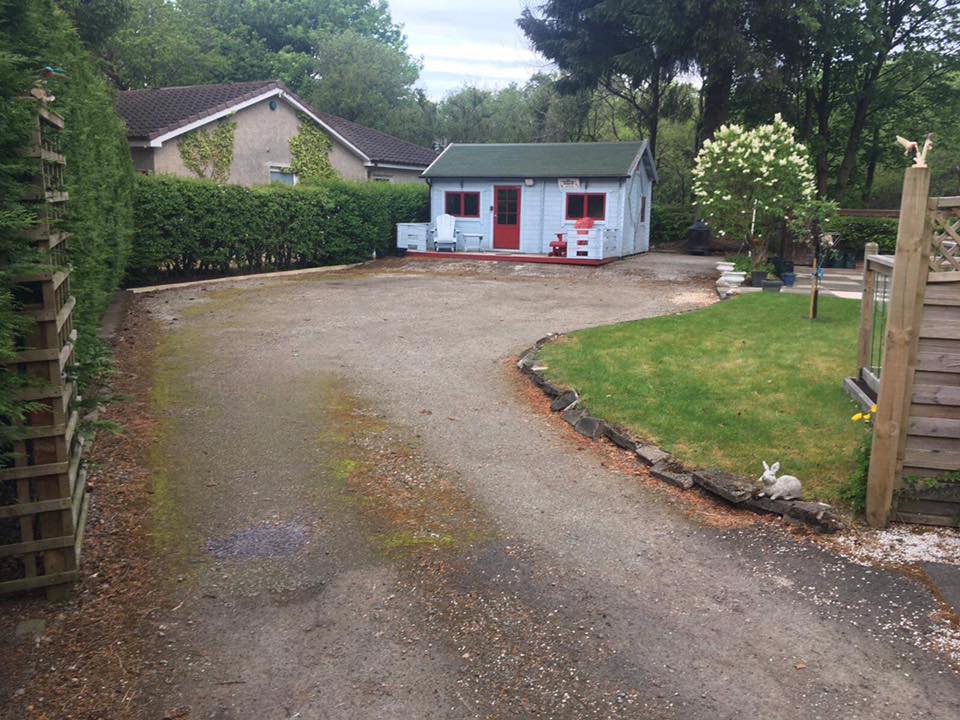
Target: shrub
669	223
98	174
856	232
748	182
189	227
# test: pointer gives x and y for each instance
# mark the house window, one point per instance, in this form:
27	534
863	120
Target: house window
462	204
282	175
643	208
586	205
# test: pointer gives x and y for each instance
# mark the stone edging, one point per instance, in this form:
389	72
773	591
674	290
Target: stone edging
735	490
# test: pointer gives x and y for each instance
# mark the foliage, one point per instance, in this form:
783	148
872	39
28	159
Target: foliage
310	150
758	401
97	176
595	45
748	182
208	153
856	232
361	79
669	223
853	491
199	228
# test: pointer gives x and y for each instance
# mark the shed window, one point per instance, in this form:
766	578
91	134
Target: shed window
584	205
463	204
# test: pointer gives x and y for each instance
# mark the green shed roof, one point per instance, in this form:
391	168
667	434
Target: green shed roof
602	159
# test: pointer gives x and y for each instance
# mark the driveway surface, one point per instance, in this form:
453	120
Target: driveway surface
363	517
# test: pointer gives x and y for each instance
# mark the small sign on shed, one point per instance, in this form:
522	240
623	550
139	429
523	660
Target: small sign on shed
568	183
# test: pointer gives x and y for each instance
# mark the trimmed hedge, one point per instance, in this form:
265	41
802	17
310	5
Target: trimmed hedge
669	223
98	176
188	228
856	232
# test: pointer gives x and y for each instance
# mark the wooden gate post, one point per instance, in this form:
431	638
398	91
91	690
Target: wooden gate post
900	350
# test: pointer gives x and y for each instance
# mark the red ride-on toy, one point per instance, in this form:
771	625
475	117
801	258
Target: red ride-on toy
558	248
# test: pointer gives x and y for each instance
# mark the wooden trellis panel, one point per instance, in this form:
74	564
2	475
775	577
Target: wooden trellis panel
916	441
42	491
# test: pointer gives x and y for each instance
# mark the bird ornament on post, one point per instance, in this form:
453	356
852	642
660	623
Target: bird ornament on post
919	152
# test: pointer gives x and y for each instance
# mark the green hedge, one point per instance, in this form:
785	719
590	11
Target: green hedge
856	232
669	223
98	175
191	227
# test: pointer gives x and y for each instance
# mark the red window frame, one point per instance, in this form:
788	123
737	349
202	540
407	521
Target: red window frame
461	193
586	204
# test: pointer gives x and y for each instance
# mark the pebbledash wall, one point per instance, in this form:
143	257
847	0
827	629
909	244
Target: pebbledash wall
543	207
253	157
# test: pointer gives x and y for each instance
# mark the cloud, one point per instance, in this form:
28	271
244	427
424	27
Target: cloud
463	41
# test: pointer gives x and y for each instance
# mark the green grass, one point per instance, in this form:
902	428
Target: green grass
728	386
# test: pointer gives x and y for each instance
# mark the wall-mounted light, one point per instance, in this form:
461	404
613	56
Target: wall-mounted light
273	105
528	182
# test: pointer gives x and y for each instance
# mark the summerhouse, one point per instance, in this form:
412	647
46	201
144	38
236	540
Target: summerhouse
585	203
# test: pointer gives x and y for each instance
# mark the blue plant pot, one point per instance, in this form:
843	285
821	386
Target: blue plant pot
789	278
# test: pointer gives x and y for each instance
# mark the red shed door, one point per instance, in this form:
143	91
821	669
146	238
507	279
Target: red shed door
506	217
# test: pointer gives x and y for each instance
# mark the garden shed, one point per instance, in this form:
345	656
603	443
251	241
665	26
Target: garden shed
580	202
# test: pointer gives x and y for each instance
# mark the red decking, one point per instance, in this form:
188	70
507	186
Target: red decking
506	257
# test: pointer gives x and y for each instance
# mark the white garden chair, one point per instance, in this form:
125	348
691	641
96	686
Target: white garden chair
445	233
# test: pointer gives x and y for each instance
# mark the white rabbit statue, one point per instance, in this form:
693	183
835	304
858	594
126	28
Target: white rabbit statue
785	487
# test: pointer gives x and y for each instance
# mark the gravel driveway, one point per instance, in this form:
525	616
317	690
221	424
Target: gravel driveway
365	518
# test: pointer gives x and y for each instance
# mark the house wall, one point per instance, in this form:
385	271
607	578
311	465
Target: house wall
142	159
394	175
262	139
542	208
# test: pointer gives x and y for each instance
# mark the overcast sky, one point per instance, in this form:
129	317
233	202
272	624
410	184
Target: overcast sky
467	41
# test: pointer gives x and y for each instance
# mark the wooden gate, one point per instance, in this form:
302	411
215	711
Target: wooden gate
910	362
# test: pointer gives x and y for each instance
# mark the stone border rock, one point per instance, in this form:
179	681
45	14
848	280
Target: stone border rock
732	489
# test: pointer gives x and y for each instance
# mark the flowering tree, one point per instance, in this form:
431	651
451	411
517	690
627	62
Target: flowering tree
748	181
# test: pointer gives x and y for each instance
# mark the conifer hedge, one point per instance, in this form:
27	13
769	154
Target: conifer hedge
198	228
98	175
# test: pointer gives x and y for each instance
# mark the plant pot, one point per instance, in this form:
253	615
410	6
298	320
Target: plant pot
724	267
757	277
772	285
789	278
733	279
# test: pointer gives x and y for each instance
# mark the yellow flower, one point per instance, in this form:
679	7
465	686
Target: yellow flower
866	418
858	417
873	408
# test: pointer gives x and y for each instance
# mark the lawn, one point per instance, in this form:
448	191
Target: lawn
742	381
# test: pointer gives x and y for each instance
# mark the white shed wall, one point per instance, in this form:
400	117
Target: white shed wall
542	207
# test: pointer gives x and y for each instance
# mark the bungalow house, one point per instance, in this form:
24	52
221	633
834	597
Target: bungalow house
266	115
587	202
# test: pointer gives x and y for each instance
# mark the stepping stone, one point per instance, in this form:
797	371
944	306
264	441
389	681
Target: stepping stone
564	401
673	474
651	454
620	438
589	426
732	488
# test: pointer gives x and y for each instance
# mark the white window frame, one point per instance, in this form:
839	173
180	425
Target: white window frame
280	168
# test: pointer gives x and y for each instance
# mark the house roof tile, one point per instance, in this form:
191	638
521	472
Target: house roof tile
149	114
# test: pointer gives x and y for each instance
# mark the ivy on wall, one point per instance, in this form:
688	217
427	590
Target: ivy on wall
209	153
310	152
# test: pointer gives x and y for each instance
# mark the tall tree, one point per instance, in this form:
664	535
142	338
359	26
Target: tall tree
633	49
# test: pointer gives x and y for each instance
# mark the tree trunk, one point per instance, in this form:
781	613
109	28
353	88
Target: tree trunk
860	111
874	156
653	117
716	99
824	108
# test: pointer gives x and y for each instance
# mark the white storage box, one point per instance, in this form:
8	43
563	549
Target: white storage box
584	244
412	236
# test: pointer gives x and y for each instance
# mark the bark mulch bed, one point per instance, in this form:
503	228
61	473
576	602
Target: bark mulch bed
91	656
